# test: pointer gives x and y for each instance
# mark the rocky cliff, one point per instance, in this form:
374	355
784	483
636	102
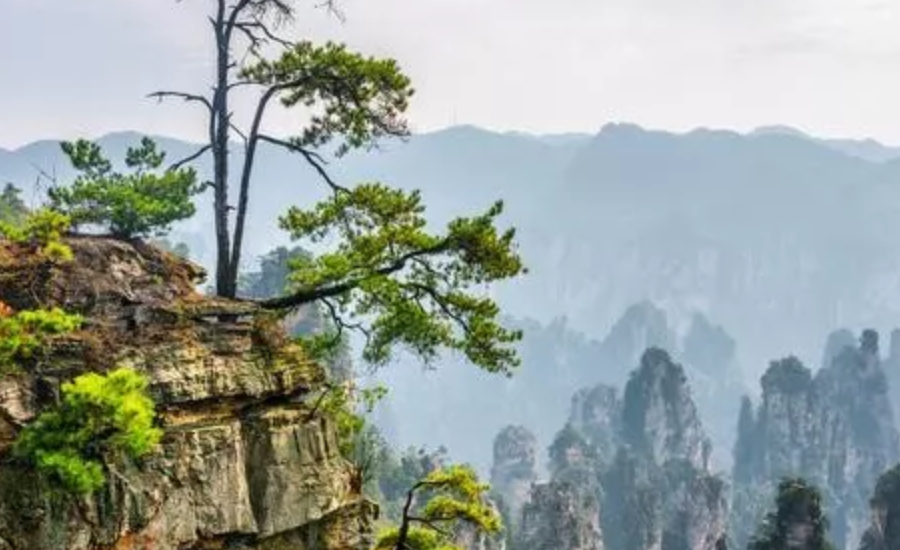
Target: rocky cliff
638	466
513	473
835	429
246	460
560	516
660	490
883	532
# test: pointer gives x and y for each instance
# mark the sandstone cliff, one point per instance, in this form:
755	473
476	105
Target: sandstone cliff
883	532
660	490
835	429
246	461
630	473
513	472
559	516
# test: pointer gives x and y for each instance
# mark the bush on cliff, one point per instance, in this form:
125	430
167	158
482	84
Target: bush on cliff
145	202
101	417
455	503
25	333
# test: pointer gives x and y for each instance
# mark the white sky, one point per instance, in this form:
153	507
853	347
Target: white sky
831	67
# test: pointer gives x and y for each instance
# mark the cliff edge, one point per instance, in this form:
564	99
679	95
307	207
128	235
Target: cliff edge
247	460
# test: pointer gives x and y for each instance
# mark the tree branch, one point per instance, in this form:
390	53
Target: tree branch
314	159
190	158
250	143
302	297
442	304
254	26
161	95
331	7
236	129
247	30
432	523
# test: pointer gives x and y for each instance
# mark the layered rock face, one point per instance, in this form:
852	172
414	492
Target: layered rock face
597	417
883	532
835	429
559	516
660	491
639	465
513	473
245	461
659	418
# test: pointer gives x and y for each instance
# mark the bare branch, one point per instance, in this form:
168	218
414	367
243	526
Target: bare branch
237	130
241	83
190	158
282	10
331	7
259	34
247	29
314	159
161	95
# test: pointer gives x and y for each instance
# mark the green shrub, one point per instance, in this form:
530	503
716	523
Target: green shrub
454	500
142	203
12	208
100	417
797	504
24	333
43	229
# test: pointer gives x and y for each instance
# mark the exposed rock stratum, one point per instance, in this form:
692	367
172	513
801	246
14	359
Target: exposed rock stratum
247	460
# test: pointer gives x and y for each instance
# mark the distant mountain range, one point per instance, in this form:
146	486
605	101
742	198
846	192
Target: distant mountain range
778	236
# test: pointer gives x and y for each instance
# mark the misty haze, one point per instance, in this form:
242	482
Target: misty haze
503	276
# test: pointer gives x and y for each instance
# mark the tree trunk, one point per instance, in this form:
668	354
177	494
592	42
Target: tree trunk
219	126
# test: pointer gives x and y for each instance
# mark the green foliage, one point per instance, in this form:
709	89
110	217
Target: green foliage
100	417
797	503
43	229
142	203
348	407
455	501
24	333
396	472
356	98
12	208
308	324
413	288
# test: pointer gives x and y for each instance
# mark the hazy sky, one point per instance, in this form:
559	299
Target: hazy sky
832	67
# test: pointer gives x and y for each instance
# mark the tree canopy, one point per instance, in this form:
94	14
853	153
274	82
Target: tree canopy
455	501
142	203
349	99
100	416
12	207
798	513
385	276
